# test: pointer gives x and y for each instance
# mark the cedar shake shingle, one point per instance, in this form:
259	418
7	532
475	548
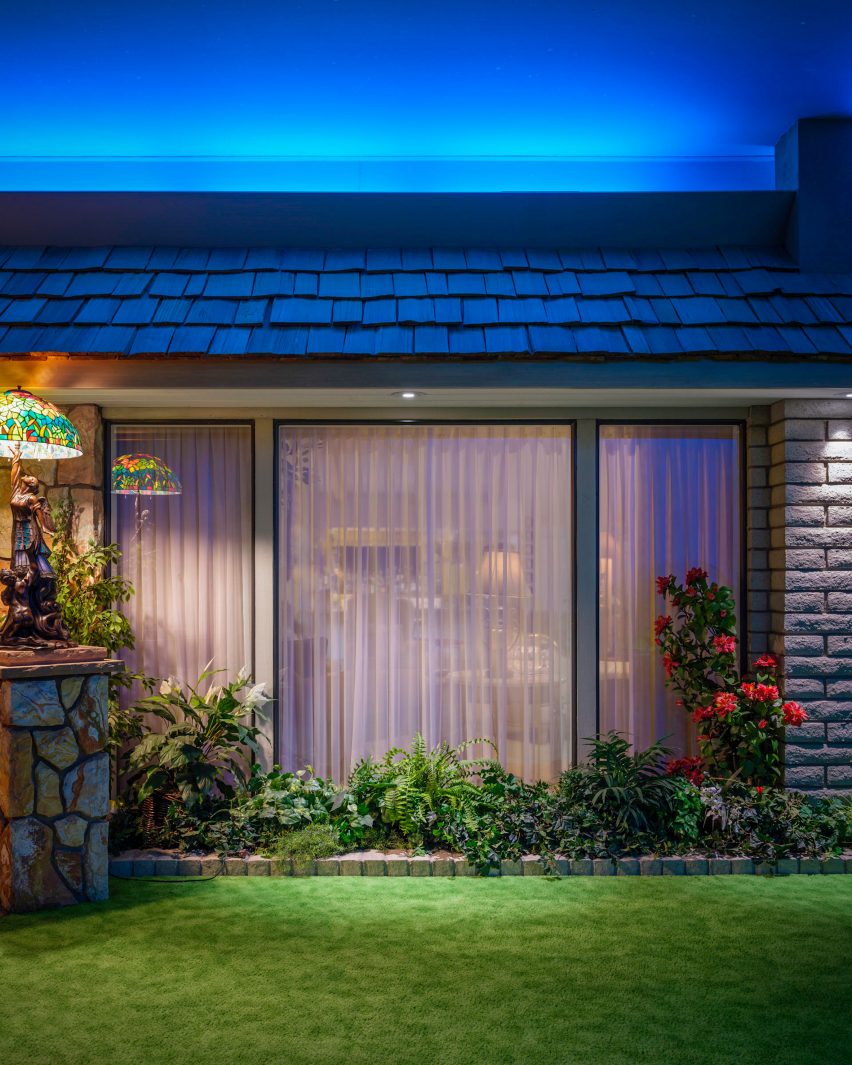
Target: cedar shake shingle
426	302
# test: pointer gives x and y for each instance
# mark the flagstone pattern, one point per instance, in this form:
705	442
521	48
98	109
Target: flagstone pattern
54	791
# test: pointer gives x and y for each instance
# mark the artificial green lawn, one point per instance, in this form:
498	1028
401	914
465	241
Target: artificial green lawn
707	970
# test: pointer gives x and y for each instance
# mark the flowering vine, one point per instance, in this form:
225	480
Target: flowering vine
740	721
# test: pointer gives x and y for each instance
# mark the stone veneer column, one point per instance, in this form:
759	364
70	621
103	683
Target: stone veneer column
810	563
54	784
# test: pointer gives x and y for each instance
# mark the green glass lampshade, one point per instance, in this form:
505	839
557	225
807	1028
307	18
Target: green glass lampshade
143	475
35	427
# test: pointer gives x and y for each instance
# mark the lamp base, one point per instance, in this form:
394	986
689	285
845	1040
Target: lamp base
34	618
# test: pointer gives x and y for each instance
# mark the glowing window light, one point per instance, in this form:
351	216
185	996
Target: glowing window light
143	475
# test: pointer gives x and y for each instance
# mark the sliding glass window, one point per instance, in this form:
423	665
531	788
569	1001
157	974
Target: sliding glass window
425	585
181	510
670	498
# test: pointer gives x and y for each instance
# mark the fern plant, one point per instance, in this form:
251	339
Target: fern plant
419	791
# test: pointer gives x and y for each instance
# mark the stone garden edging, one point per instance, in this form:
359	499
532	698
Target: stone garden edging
375	864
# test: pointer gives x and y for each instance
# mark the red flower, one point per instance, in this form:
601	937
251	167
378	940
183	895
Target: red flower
794	714
725	703
759	789
766	693
760	693
663	584
725	645
723	613
662	623
691	768
669	664
765	662
762	723
703	713
695	574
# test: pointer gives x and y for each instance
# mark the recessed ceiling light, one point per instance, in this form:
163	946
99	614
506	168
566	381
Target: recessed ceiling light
848	395
408	394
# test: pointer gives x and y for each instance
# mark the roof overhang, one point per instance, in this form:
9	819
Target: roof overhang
55	374
378	219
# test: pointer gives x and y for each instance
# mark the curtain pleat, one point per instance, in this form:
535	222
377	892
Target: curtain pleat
669	500
426	585
189	556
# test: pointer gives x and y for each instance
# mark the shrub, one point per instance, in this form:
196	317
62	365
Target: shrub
89	596
506	819
687	813
620	801
770	823
202	756
276	802
741	722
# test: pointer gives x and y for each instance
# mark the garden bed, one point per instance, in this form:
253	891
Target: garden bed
161	863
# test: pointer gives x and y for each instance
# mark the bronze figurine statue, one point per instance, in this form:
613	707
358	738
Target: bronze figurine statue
29	585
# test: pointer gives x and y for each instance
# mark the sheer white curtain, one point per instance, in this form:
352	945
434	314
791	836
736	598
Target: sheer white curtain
425	585
669	500
189	556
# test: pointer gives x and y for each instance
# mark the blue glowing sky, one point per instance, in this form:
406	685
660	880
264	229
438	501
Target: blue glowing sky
407	80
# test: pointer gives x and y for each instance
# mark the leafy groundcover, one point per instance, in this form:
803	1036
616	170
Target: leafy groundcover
620	803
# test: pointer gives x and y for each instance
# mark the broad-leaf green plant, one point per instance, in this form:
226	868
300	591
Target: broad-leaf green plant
278	802
205	751
89	595
620	801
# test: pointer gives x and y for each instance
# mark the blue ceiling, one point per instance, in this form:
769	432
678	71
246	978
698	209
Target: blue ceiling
401	94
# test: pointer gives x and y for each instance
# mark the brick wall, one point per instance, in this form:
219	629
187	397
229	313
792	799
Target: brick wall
757	531
810	570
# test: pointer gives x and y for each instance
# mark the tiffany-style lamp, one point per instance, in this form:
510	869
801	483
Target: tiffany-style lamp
143	475
32	428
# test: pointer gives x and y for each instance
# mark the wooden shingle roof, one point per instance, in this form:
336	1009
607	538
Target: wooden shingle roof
430	303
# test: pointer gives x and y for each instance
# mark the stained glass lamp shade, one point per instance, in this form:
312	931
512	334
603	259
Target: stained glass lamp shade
36	427
143	475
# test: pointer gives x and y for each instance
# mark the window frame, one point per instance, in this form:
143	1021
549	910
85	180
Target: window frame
278	423
110	423
585	421
740	424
